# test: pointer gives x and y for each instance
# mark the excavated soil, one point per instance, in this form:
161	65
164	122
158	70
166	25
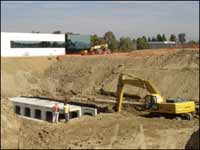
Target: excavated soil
174	73
10	126
108	131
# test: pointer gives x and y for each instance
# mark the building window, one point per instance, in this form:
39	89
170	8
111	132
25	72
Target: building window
73	114
49	116
61	117
37	114
88	114
27	112
37	44
17	110
76	43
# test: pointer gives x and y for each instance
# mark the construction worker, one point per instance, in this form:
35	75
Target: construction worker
55	113
66	111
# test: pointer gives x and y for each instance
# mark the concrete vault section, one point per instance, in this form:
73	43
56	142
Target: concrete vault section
43	109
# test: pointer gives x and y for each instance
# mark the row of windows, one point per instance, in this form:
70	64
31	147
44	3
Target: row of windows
37	113
77	45
162	45
77	42
72	42
33	44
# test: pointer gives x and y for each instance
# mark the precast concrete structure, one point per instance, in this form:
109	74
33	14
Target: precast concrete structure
43	109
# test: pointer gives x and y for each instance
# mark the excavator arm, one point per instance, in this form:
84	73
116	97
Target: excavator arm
134	81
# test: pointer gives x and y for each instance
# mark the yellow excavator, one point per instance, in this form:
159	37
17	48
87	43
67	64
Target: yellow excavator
154	102
97	49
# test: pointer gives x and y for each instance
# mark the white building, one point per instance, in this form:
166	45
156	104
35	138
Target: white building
165	44
31	44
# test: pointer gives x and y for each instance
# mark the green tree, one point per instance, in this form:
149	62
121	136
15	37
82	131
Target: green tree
122	45
101	40
144	38
95	40
110	39
173	38
159	38
114	45
192	42
153	39
126	44
56	32
181	38
149	39
146	45
141	43
163	37
109	36
134	44
129	43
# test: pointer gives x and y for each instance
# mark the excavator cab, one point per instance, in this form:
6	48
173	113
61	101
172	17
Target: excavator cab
151	101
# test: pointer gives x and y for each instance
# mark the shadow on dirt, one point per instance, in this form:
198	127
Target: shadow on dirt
126	95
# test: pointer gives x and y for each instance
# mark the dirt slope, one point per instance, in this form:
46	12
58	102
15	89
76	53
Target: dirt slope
175	75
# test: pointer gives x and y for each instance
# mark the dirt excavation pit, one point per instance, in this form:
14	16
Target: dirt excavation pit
175	74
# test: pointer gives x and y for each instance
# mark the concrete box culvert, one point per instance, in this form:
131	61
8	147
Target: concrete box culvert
43	109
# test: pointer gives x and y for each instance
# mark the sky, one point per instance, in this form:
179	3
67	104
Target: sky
124	18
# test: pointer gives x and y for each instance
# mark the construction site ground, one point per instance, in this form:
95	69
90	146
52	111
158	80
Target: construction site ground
174	72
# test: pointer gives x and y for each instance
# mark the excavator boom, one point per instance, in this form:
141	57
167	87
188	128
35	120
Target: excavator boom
134	81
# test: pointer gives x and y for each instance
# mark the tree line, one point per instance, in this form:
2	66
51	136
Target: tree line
128	44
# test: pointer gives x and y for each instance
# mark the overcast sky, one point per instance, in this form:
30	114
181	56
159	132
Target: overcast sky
125	18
